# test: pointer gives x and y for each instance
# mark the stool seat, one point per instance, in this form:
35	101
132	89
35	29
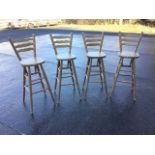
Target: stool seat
96	55
66	57
32	61
128	54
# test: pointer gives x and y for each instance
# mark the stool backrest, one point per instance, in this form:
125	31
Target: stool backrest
129	40
61	41
93	41
24	45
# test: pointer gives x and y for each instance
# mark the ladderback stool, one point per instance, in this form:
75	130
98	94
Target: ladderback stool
128	54
93	48
33	71
62	45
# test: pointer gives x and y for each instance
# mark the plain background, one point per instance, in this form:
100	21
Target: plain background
77	145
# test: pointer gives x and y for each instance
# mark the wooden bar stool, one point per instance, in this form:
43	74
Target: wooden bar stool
33	71
128	54
65	62
93	47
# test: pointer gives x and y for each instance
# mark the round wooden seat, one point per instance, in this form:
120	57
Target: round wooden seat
32	61
66	57
128	54
96	55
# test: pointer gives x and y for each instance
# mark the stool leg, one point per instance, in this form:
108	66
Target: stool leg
30	89
131	63
116	75
24	84
72	72
41	78
59	82
75	77
85	74
56	79
134	79
88	75
100	68
47	82
104	76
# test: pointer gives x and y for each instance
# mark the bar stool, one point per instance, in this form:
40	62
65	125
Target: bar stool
65	62
33	71
127	58
93	48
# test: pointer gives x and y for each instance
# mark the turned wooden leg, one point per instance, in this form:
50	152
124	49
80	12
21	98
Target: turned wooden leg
75	78
103	74
24	84
72	72
134	79
30	89
47	82
85	73
56	78
88	76
116	75
59	82
100	69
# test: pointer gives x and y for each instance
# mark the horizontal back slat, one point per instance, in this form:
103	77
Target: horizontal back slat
93	40
23	45
61	37
61	41
129	43
62	46
129	39
25	49
130	34
22	40
93	44
92	36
